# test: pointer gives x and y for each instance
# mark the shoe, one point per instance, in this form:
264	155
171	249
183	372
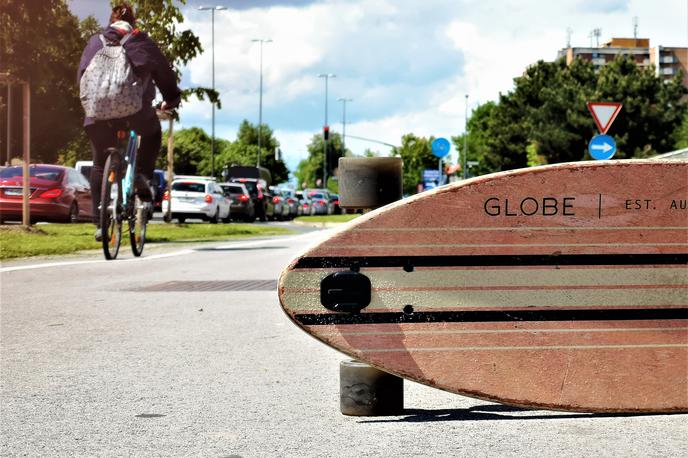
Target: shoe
143	189
99	235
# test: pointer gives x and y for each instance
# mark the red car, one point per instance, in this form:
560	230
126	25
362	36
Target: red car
57	193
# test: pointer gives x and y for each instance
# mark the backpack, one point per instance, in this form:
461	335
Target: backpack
109	88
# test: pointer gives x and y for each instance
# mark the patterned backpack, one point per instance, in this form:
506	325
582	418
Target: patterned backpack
109	88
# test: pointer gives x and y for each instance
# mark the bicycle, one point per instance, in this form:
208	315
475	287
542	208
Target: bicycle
119	201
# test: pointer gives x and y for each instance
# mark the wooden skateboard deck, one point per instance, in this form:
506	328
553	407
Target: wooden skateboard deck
561	287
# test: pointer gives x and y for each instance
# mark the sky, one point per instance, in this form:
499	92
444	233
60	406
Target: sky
407	65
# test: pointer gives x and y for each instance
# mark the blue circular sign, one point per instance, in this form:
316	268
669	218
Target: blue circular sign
440	147
602	147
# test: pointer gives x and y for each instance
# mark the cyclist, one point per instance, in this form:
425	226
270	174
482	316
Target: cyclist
151	66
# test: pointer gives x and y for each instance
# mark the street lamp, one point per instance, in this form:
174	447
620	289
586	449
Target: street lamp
327	76
465	143
212	10
344	100
260	99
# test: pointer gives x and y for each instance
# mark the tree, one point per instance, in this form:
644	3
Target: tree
311	169
41	42
653	110
545	120
161	19
244	151
416	153
478	136
191	151
681	136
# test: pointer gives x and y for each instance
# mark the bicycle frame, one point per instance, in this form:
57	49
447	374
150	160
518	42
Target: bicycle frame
130	158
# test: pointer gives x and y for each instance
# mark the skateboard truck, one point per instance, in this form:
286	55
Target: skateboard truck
347	292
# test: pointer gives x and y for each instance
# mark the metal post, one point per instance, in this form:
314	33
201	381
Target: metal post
327	76
9	122
212	147
212	45
324	183
260	106
344	100
170	168
26	93
465	144
260	100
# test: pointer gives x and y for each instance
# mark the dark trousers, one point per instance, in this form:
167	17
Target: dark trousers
103	135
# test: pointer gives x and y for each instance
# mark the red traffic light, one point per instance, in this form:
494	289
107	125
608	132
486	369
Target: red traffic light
326	132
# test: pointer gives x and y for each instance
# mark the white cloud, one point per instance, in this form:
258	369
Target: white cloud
407	64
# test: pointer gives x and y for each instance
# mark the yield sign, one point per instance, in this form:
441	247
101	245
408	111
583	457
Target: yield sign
604	114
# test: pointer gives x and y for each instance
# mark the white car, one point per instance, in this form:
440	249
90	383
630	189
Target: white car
199	198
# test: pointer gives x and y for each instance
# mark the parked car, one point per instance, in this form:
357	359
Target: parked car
256	188
159	185
241	205
84	168
281	210
197	198
320	202
304	205
57	193
334	200
291	202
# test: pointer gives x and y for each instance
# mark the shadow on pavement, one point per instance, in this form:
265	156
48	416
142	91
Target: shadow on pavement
494	412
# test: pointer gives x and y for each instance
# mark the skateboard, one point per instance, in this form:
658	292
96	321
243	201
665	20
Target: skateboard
561	287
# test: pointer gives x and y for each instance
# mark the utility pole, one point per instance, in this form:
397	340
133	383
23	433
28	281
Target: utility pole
260	98
212	10
344	100
327	76
464	162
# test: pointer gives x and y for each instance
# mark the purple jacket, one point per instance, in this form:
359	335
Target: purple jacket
147	61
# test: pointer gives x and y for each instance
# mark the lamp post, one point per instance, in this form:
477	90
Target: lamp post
327	76
260	97
465	143
344	100
212	10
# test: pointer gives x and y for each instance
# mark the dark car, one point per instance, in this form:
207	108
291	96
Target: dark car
57	194
240	200
291	203
257	189
159	185
334	200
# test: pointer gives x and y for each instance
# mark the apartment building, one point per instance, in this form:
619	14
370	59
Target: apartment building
668	61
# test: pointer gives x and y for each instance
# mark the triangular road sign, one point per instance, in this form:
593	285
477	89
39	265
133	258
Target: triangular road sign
604	114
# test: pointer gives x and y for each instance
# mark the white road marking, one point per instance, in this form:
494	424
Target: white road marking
316	237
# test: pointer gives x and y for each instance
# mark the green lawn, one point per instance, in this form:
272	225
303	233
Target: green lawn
47	239
326	218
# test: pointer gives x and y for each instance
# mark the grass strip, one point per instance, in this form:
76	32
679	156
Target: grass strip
326	218
55	239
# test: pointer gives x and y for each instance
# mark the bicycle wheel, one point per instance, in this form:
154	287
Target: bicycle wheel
111	206
137	225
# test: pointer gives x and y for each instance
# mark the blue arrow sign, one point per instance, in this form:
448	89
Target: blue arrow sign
440	147
602	147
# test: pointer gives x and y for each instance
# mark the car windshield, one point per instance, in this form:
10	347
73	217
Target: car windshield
43	173
234	189
316	195
186	186
251	186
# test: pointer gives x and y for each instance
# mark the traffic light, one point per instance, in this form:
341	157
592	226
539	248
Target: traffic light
326	132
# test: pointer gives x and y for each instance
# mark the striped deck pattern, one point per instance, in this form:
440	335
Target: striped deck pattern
562	287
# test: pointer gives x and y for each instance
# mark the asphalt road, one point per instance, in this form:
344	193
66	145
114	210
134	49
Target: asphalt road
121	358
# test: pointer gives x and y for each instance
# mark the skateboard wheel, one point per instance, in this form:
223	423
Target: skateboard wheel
366	391
369	182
